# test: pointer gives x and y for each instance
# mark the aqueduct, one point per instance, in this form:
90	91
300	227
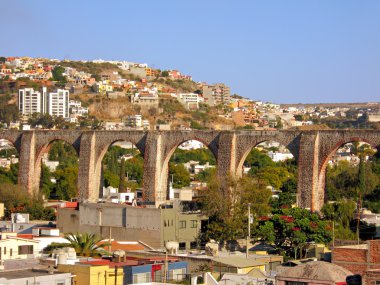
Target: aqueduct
311	149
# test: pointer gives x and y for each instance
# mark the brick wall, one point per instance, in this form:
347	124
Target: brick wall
352	259
365	262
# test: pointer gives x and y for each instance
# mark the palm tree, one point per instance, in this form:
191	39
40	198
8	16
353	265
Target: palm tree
85	244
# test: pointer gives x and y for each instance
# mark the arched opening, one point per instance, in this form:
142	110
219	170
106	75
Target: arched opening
58	165
122	173
15	200
350	178
9	164
274	167
187	171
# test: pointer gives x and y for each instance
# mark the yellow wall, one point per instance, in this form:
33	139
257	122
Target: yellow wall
246	270
93	275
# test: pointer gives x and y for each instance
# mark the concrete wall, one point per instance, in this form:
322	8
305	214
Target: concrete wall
153	226
122	222
311	149
181	227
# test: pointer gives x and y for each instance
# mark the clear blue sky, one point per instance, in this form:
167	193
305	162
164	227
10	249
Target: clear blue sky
272	50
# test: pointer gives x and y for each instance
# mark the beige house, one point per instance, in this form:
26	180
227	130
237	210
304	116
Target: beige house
12	247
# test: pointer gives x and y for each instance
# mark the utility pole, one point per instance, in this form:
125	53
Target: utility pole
249	230
333	234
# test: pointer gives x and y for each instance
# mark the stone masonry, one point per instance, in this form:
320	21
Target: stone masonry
311	149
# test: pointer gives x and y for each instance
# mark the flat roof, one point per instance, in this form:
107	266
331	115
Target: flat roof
354	246
26	273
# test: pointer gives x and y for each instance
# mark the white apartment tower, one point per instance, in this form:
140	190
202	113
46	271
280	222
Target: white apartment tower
57	103
30	101
53	103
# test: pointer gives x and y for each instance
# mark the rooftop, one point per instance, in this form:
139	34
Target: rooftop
354	246
316	270
25	273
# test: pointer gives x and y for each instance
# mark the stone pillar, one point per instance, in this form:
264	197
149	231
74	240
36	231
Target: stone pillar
88	180
26	173
308	172
226	158
154	180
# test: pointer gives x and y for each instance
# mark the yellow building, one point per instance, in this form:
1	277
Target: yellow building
89	274
243	265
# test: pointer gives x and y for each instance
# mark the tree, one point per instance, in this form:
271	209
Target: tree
164	73
342	214
181	177
289	230
226	202
66	186
85	244
110	178
57	73
17	201
46	186
257	159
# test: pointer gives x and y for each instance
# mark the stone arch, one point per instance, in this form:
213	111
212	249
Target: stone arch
326	155
99	168
11	155
43	146
210	141
106	139
14	137
245	144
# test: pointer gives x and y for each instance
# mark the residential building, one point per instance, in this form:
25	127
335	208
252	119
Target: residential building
58	103
145	100
152	226
190	100
216	94
102	87
31	101
134	121
34	276
244	117
89	274
112	195
53	103
12	247
123	269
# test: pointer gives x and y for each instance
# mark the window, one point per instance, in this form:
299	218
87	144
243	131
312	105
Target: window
11	251
182	246
193	245
25	249
295	283
141	278
193	223
377	282
177	274
182	224
60	282
5	250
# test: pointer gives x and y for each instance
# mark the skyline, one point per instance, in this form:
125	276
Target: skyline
284	52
